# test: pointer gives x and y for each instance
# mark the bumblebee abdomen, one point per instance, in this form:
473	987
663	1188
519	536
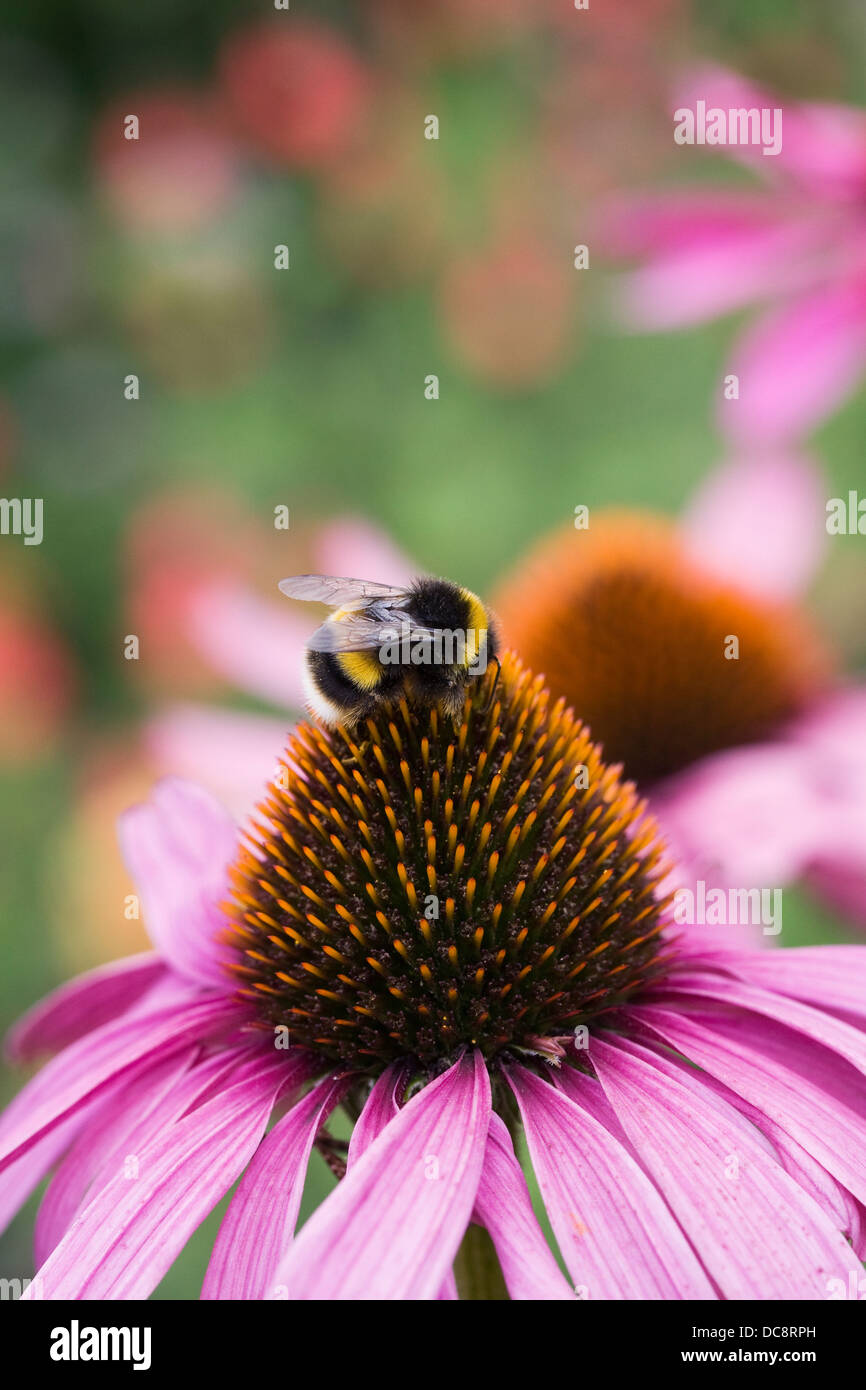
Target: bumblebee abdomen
343	687
363	669
330	680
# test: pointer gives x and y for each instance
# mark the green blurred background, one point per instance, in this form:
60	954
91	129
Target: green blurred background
305	387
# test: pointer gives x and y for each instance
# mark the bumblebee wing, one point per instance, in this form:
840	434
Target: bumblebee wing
359	632
336	592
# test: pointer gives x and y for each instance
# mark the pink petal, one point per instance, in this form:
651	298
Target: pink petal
725	526
503	1205
589	1094
392	1227
359	550
171	991
379	1110
259	1225
678	219
686	991
834	734
835	1201
759	1234
614	1231
795	367
178	847
82	1070
718	273
835	730
811	1094
233	754
83	1004
125	1239
24	1174
833	977
823	146
841	887
120	1117
257	644
747	817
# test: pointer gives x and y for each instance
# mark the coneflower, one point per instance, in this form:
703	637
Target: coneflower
690	654
454	931
665	661
430	887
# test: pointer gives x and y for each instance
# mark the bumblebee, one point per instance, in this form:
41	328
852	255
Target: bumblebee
429	640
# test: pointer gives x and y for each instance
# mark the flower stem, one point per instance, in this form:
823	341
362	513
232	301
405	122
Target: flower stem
476	1267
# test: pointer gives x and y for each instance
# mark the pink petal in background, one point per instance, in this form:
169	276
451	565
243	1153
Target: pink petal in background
796	365
759	523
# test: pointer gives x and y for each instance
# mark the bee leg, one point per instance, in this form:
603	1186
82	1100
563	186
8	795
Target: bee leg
455	700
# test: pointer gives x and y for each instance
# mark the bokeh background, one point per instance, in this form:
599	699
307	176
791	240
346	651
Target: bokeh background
304	388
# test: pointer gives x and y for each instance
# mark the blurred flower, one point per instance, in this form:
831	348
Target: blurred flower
180	172
800	247
507	312
629	620
38	680
296	93
179	543
636	1066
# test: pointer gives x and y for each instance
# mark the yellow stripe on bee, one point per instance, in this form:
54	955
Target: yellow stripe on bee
361	668
475	626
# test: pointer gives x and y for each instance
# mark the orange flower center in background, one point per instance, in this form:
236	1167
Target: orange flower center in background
663	662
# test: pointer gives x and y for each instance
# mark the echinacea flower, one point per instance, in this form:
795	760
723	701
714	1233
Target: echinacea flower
296	93
750	752
180	171
457	931
793	244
